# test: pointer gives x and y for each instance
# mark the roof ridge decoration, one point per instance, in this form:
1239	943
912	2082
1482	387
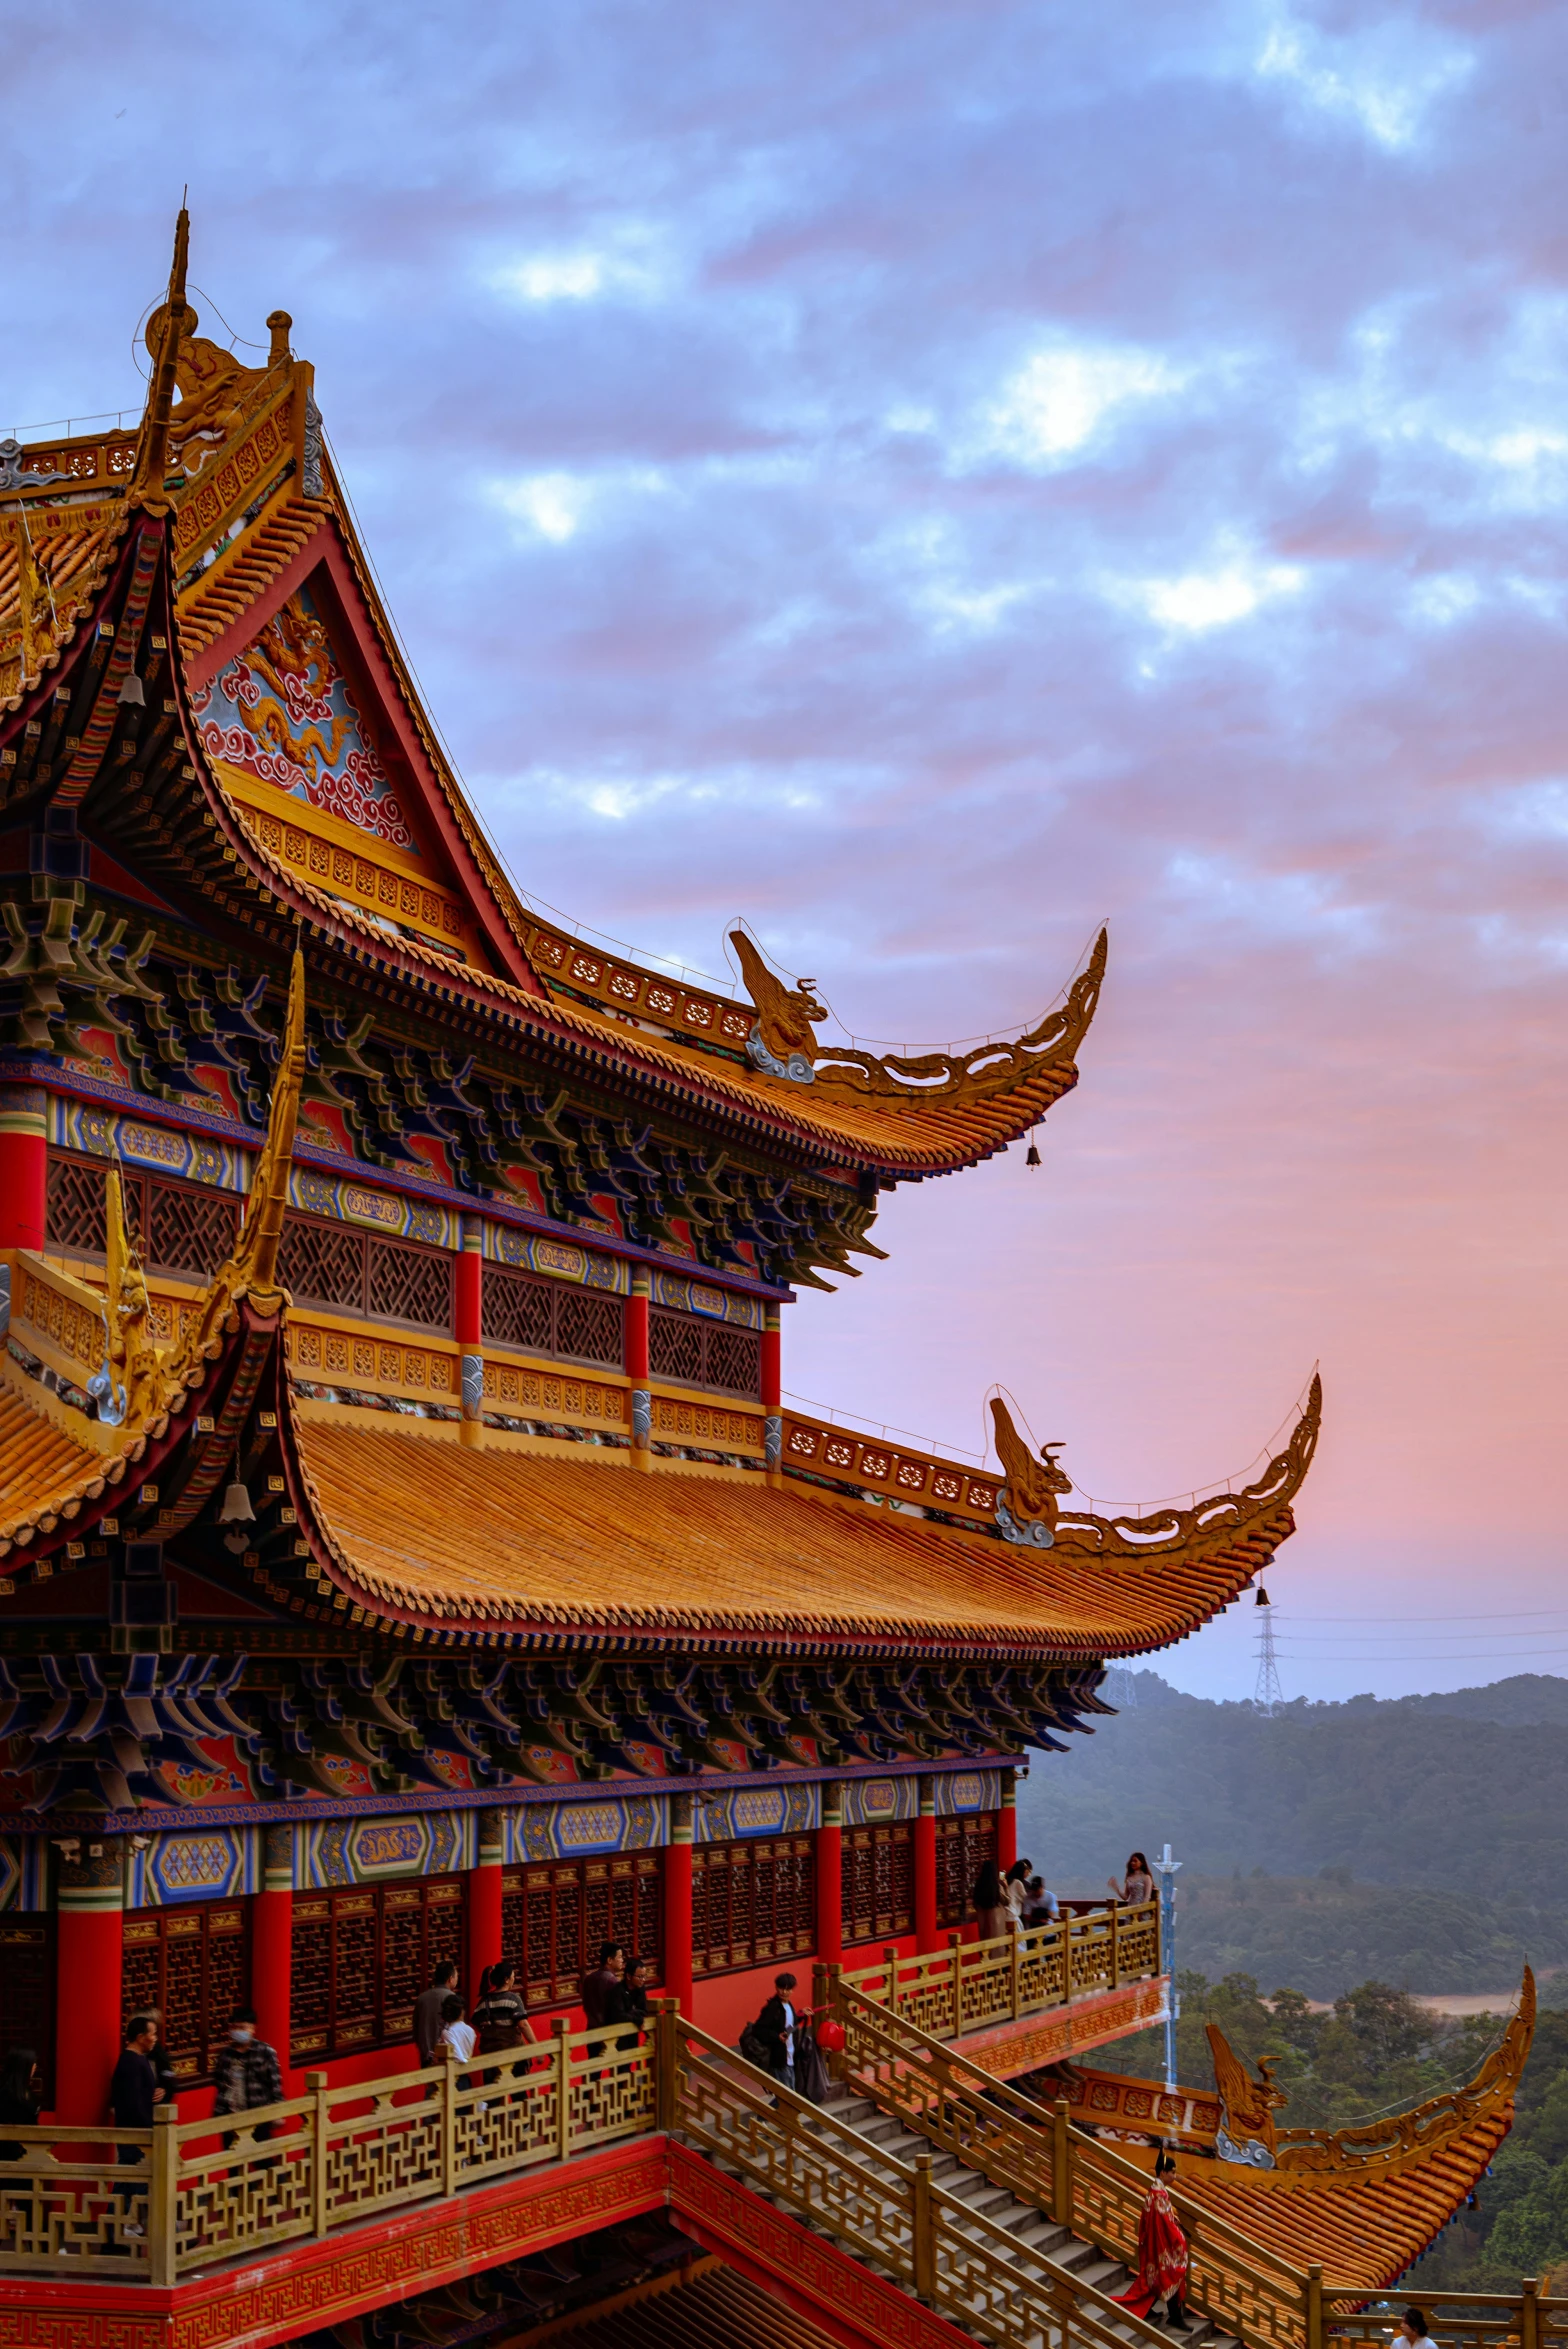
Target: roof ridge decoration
148	493
1217	1515
251	1271
1429	2124
1309	2155
1246	2133
1033	1487
782	1043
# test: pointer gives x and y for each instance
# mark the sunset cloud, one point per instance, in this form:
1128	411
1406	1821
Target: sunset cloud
929	480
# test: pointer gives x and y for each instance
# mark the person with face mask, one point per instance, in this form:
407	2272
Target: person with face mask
247	2072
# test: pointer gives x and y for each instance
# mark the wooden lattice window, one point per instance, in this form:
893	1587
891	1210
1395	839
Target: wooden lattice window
362	1955
192	1964
690	1352
27	1990
550	1317
76	1205
332	1264
752	1901
963	1845
409	1284
189	1230
323	1263
185	1228
556	1916
878	1879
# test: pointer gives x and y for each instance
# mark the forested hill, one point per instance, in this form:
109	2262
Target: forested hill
1454	1801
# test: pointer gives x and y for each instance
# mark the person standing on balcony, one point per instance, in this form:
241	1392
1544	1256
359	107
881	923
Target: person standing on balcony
600	1986
133	2092
628	2001
427	2011
247	2073
1040	1907
776	2026
1016	1887
991	1903
1161	2272
1138	1884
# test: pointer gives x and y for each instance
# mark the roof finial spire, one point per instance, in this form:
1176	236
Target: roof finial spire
147	490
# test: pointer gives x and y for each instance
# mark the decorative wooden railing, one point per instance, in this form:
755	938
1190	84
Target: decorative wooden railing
204	2192
898	1472
886	2212
970	1985
1039	2156
1457	2320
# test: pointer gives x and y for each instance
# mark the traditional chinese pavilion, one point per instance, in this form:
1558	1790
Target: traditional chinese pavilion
405	1547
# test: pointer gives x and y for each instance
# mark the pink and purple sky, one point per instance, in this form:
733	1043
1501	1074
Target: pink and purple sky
929	478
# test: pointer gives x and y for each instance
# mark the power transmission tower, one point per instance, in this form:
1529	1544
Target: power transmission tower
1267	1694
1121	1688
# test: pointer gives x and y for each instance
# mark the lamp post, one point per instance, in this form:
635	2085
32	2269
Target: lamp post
1166	1869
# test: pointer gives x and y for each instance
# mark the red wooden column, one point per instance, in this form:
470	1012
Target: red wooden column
773	1394
830	1875
1007	1822
637	1370
89	1967
677	1905
484	1901
24	1166
272	1942
926	1936
470	1328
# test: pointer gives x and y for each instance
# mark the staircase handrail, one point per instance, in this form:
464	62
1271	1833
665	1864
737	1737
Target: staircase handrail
970	2270
1042	2156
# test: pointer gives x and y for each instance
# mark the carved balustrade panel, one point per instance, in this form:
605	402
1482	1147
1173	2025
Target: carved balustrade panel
985	1984
50	2205
381	2150
614	2094
510	2118
812	2165
926	1995
236	2195
1042	1969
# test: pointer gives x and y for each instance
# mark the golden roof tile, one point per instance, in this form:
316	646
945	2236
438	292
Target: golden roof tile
534	1544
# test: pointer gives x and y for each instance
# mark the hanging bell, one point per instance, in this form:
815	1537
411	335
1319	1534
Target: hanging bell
1262	1599
131	694
1031	1155
236	1508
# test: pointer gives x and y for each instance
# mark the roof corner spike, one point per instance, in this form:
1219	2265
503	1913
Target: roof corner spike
257	1254
147	493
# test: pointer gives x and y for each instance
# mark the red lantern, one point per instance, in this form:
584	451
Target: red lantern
830	2036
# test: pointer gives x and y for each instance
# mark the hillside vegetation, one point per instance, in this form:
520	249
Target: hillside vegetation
1413	1840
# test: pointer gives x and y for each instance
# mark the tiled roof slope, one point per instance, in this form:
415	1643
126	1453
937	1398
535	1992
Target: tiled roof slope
44	1472
1366	2202
512	1540
709	2307
901	1118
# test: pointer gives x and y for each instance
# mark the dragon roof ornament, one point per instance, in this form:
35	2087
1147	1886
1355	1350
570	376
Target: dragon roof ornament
782	1044
1031	1512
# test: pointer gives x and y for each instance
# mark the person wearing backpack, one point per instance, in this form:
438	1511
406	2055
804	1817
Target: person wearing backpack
775	2030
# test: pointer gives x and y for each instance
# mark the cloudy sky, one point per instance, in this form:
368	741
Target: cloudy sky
931	477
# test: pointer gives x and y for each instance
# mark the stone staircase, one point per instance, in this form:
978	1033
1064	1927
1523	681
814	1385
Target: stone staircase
1037	2236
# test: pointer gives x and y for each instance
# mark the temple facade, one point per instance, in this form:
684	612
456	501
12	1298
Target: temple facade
407	1551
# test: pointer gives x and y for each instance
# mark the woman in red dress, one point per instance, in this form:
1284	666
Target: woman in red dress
1162	2255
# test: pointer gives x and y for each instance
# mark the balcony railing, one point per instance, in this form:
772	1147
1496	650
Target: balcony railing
156	2205
153	2205
972	1985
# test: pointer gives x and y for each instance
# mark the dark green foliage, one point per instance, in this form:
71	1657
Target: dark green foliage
1377	2049
1454	1800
